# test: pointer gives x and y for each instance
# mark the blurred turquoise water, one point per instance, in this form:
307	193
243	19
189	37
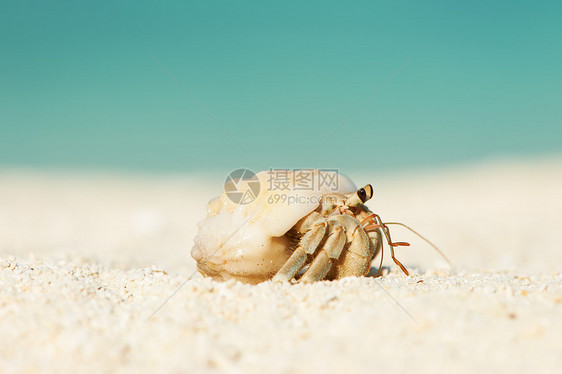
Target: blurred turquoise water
81	86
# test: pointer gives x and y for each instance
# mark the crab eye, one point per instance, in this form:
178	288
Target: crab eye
365	193
362	194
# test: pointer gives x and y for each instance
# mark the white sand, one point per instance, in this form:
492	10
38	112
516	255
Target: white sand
85	260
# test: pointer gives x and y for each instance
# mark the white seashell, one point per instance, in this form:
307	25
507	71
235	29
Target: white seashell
247	241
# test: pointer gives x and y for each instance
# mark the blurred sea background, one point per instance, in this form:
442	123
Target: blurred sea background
216	85
120	120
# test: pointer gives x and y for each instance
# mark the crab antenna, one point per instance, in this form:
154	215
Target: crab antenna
423	238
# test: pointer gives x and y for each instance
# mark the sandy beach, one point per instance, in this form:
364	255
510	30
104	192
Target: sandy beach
86	259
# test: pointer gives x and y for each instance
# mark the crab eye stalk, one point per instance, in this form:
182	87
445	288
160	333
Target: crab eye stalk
360	196
366	193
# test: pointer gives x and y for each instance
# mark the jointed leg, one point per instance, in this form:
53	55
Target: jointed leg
307	246
330	251
356	259
372	222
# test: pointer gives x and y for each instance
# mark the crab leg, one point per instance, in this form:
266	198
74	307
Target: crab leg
315	229
331	251
375	222
356	259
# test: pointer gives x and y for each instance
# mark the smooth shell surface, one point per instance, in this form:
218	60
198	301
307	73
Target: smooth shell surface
246	241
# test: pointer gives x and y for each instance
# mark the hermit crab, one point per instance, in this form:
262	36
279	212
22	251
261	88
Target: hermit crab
269	226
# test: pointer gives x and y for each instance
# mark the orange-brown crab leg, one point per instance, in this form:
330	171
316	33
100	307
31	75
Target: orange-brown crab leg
373	221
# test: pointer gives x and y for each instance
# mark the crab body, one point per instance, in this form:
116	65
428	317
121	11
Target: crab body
305	235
